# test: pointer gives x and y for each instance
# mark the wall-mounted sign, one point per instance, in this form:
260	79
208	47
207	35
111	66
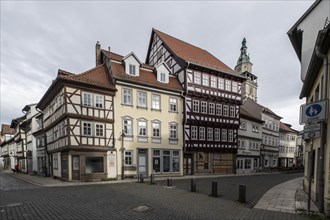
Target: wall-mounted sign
313	112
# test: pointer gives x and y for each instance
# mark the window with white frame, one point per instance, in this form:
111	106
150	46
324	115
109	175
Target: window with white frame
203	107
201	133
173	104
155	101
142	99
242	126
132	69
193	132
210	134
99	101
230	135
232	111
142	128
217	134
127	126
87	99
165	161
156	129
218	110
128	158
195	106
228	85
205	80
234	87
99	130
225	110
92	100
221	83
224	135
127	96
255	128
173	130
213	82
211	108
241	144
87	128
163	77
197	77
55	161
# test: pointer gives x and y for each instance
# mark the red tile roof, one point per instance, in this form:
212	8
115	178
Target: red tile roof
148	78
6	129
193	54
98	76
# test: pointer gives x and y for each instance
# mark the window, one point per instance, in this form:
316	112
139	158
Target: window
224	135
230	135
204	107
132	69
173	104
173	131
232	111
155	102
213	82
127	96
242	126
127	126
218	110
55	161
210	134
197	77
142	128
142	99
87	128
228	85
128	158
221	83
217	134
99	103
195	106
99	130
205	80
193	132
162	77
156	129
234	87
201	133
225	110
165	161
255	128
94	165
87	99
211	108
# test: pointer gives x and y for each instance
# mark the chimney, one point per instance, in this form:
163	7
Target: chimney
98	53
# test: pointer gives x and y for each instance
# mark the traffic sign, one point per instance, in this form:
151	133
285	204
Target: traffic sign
313	112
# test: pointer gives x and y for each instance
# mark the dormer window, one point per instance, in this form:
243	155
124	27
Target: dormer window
163	73
132	69
163	77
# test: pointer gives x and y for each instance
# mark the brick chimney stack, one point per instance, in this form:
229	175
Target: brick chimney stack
98	53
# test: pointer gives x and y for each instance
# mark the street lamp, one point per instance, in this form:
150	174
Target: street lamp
122	154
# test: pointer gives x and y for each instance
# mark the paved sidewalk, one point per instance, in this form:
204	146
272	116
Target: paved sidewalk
282	198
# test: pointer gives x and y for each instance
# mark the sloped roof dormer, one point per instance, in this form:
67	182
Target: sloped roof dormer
132	64
163	73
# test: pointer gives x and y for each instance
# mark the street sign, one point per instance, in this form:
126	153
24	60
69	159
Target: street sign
310	135
312	127
313	112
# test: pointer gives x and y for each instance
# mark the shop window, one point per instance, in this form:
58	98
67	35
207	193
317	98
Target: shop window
94	165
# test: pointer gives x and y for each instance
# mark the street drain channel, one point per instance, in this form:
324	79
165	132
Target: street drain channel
141	208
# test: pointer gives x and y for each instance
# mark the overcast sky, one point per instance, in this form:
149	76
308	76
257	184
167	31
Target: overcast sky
39	37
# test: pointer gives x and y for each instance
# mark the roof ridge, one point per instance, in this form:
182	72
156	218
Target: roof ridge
90	70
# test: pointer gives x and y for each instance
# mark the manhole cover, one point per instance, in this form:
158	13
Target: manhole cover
141	208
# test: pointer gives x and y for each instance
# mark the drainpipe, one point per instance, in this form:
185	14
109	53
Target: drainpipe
320	170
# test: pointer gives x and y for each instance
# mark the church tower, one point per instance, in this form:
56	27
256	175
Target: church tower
244	68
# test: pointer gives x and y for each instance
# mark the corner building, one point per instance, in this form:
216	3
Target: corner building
211	99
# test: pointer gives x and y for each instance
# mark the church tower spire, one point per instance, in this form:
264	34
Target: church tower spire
244	68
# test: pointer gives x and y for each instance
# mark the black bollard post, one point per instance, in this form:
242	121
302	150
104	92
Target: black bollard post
168	181
242	193
141	178
193	185
151	178
214	189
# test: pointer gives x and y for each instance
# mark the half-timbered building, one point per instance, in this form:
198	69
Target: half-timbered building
148	116
212	96
287	146
19	153
78	124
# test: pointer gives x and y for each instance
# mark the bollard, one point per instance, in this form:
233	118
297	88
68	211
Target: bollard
151	178
214	189
242	193
169	182
193	185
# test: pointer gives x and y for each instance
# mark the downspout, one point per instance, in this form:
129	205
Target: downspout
320	171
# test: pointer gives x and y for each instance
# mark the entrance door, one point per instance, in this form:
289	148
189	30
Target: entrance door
142	162
75	168
188	164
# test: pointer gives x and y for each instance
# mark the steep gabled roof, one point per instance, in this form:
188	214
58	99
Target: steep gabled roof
147	77
192	54
256	109
247	115
287	128
6	129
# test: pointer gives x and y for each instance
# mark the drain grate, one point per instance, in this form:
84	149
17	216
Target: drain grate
141	208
